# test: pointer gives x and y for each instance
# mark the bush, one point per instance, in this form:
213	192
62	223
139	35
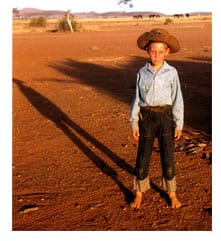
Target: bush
168	21
38	22
64	27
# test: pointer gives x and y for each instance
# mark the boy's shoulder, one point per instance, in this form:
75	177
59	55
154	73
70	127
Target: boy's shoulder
166	66
169	66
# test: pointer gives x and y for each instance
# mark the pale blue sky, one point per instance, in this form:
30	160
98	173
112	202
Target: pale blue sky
164	6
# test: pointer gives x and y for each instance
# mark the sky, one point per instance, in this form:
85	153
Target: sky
163	6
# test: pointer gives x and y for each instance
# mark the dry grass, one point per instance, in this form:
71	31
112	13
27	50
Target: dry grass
103	24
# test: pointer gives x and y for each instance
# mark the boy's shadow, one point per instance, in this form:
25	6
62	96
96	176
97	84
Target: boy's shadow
50	111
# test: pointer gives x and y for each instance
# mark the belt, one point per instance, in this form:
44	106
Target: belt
157	108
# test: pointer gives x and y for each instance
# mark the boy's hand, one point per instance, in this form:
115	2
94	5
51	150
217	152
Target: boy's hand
177	134
136	135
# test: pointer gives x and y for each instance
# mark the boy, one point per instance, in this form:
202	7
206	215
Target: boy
157	111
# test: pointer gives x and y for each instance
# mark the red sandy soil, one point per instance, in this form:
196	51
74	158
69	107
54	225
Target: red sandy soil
73	152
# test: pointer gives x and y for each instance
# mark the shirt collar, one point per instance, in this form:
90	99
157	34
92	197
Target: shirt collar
164	67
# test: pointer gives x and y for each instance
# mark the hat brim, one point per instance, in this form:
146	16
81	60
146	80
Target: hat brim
146	38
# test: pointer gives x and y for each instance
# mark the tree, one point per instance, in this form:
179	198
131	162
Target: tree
67	23
69	20
16	13
125	3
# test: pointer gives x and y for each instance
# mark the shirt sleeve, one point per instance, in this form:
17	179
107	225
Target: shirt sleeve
135	108
177	103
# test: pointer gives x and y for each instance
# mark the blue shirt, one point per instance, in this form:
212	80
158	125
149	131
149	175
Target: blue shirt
158	89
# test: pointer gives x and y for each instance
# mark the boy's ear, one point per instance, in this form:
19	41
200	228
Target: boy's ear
168	51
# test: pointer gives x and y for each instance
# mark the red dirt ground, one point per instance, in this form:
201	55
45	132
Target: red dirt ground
73	152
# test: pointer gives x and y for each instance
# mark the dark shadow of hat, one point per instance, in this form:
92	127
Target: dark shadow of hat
158	35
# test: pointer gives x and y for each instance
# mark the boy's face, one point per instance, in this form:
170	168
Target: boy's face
157	52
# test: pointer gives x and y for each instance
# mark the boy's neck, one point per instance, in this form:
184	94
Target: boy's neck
156	67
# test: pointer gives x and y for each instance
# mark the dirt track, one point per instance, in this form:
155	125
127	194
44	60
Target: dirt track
73	153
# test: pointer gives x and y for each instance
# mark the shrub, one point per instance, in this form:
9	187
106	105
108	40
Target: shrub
63	25
168	21
38	22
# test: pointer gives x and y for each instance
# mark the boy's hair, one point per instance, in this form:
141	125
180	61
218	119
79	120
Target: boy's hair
148	45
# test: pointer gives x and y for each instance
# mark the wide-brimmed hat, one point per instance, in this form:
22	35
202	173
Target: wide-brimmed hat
158	35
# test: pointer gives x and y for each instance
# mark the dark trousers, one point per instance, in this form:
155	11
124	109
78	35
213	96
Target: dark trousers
151	125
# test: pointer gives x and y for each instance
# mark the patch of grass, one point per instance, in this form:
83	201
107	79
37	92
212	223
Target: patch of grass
168	21
38	22
64	27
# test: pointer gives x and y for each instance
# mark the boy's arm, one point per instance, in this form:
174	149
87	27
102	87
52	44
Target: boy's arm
177	106
134	113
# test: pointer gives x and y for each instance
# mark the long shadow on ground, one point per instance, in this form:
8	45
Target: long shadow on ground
50	111
119	82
